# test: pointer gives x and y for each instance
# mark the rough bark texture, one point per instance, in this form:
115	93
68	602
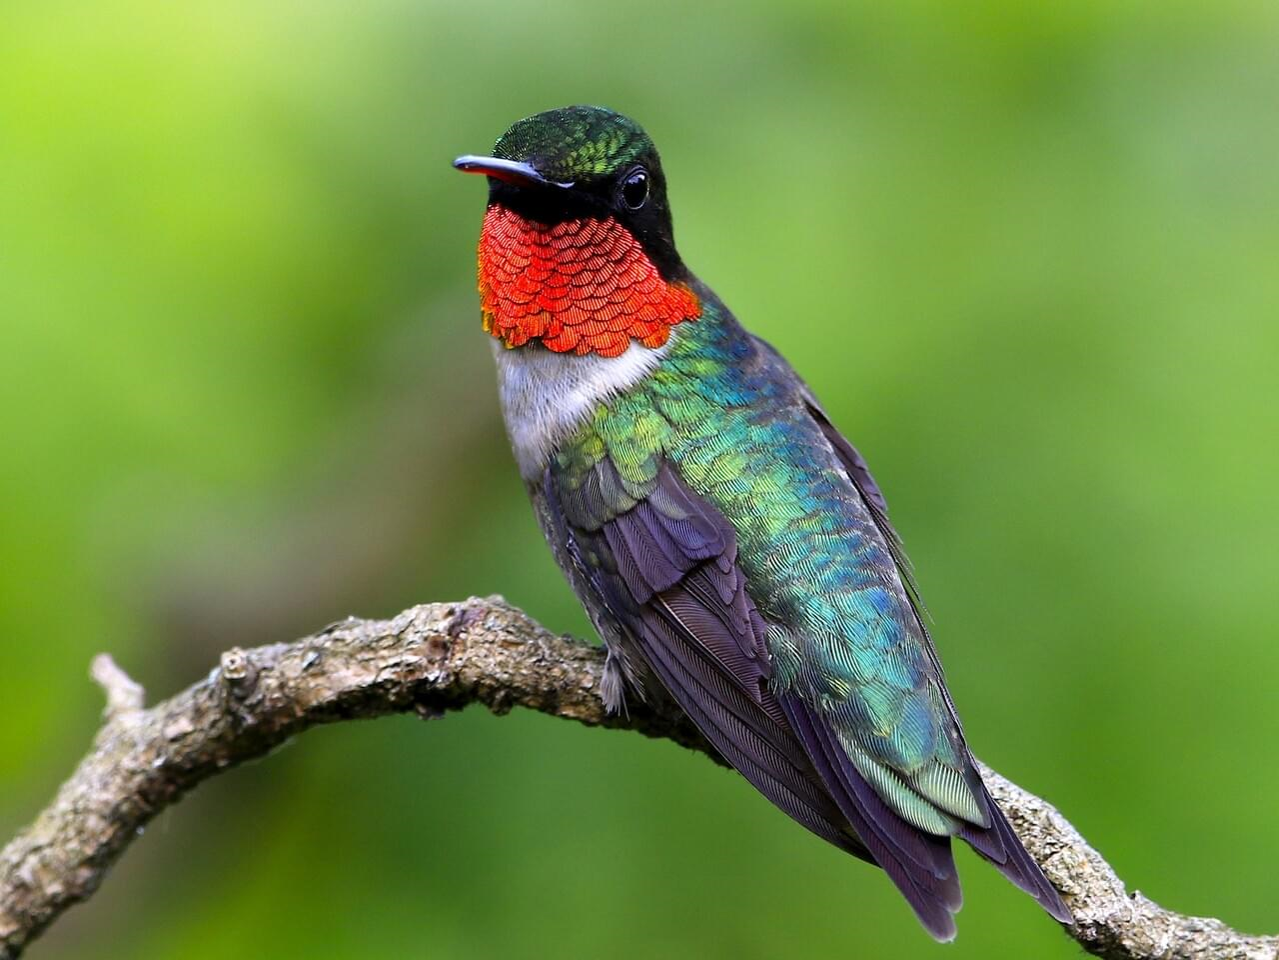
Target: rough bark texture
430	659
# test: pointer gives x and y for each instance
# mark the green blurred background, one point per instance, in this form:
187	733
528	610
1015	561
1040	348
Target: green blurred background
1026	253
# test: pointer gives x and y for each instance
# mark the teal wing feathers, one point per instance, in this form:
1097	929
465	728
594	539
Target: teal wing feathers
663	562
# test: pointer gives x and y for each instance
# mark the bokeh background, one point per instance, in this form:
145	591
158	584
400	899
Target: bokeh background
1026	253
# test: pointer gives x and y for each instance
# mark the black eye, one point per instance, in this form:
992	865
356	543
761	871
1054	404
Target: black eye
635	188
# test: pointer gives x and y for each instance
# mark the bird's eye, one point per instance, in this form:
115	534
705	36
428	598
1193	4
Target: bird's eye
635	188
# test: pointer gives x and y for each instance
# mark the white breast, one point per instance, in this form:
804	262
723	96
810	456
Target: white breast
545	395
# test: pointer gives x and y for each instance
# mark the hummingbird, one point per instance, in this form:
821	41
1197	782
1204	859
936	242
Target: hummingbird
726	540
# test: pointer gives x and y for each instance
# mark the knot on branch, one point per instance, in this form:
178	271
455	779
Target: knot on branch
238	673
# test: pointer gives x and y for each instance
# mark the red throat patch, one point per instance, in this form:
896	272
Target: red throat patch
585	286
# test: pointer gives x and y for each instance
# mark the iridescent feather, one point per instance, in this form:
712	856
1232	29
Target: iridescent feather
748	556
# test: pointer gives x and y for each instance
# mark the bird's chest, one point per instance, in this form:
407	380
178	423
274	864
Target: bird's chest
547	396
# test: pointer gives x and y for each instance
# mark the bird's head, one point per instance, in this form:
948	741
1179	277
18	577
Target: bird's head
577	252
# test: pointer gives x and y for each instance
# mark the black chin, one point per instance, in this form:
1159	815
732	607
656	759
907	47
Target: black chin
546	205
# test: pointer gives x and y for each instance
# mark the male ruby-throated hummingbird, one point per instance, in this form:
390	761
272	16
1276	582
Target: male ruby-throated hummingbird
725	539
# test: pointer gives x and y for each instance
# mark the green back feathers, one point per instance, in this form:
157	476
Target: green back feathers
852	648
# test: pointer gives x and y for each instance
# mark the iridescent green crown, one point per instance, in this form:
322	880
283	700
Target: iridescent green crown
574	143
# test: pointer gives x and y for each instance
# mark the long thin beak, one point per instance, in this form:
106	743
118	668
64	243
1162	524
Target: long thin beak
512	171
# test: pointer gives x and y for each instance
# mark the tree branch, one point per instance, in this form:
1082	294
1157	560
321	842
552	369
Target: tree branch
431	659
